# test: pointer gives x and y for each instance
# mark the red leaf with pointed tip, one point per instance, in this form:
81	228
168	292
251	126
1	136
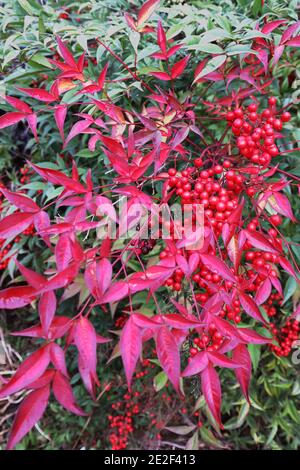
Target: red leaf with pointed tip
102	76
103	275
64	394
161	75
250	336
86	343
282	205
63	251
147	322
29	413
161	38
146	11
30	370
39	94
130	347
288	33
65	53
14	224
211	389
285	264
259	241
243	374
217	266
18	104
278	51
179	67
293	42
168	355
130	21
269	27
60	114
116	292
250	307
16	297
222	361
9	119
177	321
263	292
47	309
62	279
196	364
59	178
32	123
78	128
57	357
20	201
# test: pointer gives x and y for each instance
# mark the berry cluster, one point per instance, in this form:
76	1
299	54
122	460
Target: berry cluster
256	133
285	337
209	340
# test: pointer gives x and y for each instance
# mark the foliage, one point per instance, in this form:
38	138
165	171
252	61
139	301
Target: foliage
136	130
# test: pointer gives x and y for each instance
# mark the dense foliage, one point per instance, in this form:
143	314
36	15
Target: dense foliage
175	104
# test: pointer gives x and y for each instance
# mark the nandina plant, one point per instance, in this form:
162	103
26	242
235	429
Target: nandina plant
156	155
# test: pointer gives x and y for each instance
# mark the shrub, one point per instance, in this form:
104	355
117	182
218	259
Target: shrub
201	302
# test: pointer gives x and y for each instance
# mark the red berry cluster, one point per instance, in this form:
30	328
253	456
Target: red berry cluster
285	337
257	132
216	188
121	425
270	306
210	340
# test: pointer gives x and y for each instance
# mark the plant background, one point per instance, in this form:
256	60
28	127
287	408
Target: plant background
27	33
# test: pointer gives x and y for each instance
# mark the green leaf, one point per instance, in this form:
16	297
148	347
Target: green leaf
134	38
255	353
41	60
193	442
289	289
160	381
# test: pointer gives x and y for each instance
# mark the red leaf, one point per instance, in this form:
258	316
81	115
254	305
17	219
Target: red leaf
101	78
116	292
259	241
211	388
146	11
20	201
39	94
64	394
222	361
130	347
286	265
65	53
16	297
161	38
282	205
18	104
196	364
177	321
293	42
30	370
32	123
103	275
63	251
78	128
130	21
86	343
250	336
59	178
29	413
269	27
60	114
57	356
250	307
47	309
14	224
9	119
168	355
161	75
243	374
263	292
179	67
218	266
288	33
